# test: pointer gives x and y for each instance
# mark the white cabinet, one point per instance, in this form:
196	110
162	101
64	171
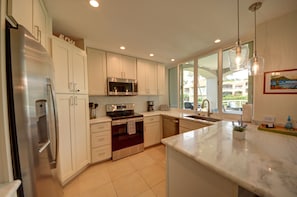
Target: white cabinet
40	18
22	12
33	15
152	130
96	72
189	125
147	77
70	68
74	146
161	79
121	66
101	141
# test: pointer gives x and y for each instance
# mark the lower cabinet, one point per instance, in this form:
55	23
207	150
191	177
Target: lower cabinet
74	140
152	130
100	141
189	125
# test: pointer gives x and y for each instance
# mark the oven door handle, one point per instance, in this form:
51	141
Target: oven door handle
125	121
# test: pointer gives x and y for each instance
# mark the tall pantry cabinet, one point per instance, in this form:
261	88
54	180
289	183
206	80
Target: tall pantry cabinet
70	72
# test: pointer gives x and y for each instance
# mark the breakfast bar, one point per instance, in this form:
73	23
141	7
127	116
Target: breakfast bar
209	162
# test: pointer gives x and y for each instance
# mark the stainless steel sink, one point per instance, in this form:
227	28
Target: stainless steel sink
203	118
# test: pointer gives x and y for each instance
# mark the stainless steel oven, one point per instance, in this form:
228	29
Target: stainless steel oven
127	130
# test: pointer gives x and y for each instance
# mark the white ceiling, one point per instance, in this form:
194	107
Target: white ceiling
168	28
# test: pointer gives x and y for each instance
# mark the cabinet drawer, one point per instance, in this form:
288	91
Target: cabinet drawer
99	127
101	138
151	119
101	153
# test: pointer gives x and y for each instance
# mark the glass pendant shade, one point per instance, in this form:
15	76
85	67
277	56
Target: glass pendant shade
256	63
256	66
238	57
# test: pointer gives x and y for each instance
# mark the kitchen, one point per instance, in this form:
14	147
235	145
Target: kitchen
276	58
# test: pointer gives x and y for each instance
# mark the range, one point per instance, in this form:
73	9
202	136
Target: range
126	129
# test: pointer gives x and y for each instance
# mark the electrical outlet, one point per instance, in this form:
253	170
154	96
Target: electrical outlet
269	119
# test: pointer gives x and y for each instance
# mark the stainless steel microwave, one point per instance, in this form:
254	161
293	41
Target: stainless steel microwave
121	87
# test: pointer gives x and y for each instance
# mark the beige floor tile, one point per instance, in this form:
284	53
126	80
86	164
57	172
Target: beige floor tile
156	153
72	189
160	189
93	178
140	175
153	174
130	185
106	190
141	160
120	168
148	193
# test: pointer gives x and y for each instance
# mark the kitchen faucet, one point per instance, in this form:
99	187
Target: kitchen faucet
208	106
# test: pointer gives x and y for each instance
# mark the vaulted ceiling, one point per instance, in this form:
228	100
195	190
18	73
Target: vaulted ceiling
168	28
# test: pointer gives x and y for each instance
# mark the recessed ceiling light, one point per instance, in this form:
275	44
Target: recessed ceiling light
172	60
217	41
123	47
94	3
151	54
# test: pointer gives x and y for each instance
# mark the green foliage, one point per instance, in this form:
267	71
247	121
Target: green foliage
231	97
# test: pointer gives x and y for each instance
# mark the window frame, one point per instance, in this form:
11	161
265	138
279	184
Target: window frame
219	79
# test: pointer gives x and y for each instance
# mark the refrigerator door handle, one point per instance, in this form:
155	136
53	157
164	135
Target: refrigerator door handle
44	146
53	98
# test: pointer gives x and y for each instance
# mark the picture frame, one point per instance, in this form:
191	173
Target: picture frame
280	82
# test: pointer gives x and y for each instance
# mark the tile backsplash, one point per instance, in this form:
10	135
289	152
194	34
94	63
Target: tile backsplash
139	101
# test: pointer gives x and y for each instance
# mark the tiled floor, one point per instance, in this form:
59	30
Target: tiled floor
140	175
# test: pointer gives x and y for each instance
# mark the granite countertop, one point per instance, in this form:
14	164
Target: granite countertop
264	163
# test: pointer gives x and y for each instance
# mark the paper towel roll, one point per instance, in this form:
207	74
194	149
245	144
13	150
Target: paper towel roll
247	112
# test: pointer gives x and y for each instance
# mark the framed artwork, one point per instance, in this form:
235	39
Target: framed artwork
280	82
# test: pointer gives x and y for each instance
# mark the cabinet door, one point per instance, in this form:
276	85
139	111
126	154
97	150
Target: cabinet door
96	61
65	111
79	71
114	65
128	67
62	67
161	79
21	10
81	145
39	22
151	78
152	134
147	77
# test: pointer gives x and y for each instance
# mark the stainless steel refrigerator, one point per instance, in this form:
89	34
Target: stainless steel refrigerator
32	114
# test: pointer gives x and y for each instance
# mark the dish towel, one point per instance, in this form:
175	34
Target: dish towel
131	127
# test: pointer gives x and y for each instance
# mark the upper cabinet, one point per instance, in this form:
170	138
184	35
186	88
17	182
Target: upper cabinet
121	66
33	15
96	72
147	74
70	68
161	79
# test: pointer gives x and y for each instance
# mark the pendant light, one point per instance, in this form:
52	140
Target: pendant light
256	63
238	55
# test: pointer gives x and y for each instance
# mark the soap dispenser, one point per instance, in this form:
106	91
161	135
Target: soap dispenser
289	124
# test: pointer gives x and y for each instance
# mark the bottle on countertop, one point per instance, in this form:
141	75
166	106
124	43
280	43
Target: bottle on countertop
289	124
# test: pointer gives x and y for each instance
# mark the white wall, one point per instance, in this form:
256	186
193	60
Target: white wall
277	43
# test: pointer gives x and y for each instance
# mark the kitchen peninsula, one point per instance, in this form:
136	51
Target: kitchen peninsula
209	162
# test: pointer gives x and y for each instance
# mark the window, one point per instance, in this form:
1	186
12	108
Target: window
187	85
237	86
209	77
208	81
